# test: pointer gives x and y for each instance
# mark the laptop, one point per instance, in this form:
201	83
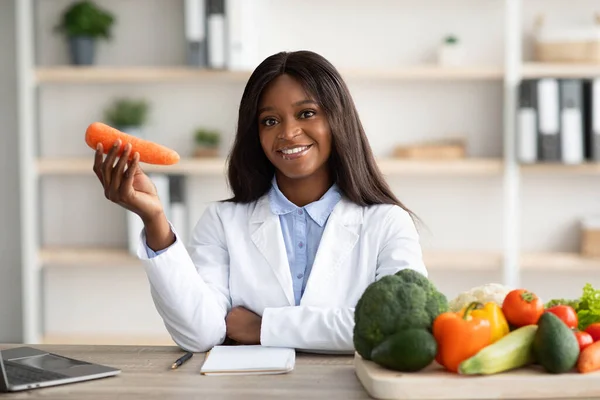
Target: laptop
24	368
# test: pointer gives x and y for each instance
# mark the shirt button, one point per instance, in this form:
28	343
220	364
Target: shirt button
300	212
300	244
300	276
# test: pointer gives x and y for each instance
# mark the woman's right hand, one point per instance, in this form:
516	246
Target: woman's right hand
130	188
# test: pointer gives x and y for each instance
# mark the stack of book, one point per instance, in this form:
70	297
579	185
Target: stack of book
221	34
558	121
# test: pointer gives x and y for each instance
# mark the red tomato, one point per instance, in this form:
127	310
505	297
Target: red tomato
521	307
584	339
566	313
594	331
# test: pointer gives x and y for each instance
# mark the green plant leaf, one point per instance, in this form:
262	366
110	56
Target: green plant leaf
86	18
127	112
207	137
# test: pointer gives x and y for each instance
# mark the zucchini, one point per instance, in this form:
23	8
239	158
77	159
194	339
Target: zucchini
512	351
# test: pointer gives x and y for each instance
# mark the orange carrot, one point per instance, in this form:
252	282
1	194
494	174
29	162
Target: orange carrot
150	152
589	358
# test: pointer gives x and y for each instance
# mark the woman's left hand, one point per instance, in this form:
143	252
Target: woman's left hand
243	326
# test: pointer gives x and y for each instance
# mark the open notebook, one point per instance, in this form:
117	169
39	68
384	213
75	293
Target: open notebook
248	360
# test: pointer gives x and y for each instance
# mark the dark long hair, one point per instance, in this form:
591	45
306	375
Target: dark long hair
352	164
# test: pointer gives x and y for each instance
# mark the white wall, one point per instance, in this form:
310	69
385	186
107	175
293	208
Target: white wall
460	213
10	272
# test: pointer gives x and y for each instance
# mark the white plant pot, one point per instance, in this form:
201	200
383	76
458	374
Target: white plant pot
451	55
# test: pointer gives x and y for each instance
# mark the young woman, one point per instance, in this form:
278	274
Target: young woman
310	225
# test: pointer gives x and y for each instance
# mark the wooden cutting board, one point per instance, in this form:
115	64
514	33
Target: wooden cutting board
436	383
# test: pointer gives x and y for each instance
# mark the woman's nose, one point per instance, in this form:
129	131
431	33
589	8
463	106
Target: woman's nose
290	129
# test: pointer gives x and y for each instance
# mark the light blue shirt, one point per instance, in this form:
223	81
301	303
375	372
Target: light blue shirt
302	229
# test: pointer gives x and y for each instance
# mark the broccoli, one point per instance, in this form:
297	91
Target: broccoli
394	303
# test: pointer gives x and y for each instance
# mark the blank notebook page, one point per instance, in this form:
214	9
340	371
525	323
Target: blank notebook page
254	359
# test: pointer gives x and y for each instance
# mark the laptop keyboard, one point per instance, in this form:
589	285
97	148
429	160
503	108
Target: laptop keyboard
22	374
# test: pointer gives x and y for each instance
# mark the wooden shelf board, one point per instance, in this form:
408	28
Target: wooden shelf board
69	74
108	339
462	260
83	166
107	74
435	260
560	70
467	166
81	257
428	72
217	167
558	261
587	168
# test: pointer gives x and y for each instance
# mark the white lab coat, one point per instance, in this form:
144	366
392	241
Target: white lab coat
237	257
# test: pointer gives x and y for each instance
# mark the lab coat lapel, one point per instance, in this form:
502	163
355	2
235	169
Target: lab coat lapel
337	242
266	234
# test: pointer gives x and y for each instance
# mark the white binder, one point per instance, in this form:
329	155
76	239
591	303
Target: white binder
571	121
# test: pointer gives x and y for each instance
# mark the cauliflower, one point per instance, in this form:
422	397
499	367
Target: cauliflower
485	293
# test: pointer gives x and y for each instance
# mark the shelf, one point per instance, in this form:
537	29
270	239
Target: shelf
70	74
83	166
81	257
468	166
109	339
559	262
462	260
90	257
438	260
554	168
560	70
427	72
217	167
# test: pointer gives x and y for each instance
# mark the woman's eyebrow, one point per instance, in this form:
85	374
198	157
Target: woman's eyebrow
261	110
307	101
298	103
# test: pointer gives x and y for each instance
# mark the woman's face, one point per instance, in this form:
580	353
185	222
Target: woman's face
293	130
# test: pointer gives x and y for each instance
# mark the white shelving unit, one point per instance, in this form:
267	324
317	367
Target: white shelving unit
155	75
510	261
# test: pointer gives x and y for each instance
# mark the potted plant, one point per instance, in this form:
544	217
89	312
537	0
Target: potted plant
451	52
127	115
83	22
207	142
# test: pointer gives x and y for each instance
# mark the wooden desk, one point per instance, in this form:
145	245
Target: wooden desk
146	374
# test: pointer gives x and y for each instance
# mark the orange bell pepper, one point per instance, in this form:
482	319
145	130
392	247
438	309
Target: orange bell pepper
460	336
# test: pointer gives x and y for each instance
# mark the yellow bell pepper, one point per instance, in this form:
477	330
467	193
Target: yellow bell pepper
493	313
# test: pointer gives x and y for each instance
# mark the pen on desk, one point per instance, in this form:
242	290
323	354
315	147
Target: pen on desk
181	360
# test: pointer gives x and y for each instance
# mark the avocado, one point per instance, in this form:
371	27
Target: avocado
409	350
555	346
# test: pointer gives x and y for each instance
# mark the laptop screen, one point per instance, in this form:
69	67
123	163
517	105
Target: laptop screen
49	362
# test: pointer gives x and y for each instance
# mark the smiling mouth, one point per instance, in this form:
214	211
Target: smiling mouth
293	153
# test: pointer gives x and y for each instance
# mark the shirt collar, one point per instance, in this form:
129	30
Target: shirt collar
318	210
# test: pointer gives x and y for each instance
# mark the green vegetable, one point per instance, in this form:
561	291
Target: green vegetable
562	302
587	307
512	351
407	351
406	300
588	310
555	347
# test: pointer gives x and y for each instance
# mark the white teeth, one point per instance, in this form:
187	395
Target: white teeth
294	150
